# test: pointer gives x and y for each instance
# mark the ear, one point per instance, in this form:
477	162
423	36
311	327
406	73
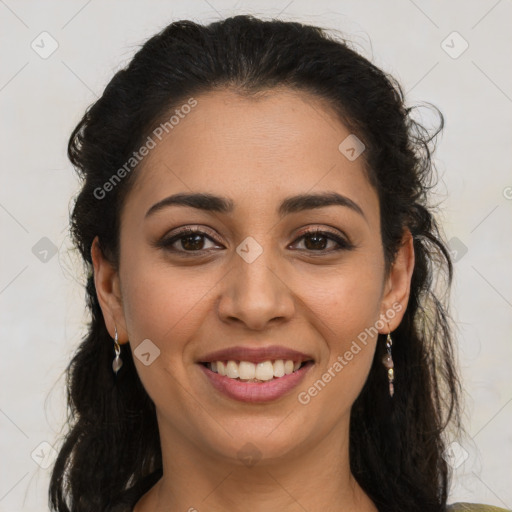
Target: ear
106	281
397	287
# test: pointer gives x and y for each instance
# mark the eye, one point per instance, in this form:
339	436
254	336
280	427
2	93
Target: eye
316	240
190	240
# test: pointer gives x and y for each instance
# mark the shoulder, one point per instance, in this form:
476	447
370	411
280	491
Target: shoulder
473	507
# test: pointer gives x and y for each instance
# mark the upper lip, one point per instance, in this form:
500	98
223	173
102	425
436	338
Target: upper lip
255	355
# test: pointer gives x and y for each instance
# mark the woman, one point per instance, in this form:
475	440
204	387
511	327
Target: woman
262	259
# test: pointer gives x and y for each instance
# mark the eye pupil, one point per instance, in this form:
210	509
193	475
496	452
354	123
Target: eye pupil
315	238
193	246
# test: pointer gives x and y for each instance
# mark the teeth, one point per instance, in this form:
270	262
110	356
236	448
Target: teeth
279	368
245	370
232	370
264	371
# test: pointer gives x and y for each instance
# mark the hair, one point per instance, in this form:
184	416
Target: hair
396	444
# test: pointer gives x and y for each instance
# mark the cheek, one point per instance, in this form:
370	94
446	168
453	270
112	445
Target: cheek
345	301
162	304
344	308
167	306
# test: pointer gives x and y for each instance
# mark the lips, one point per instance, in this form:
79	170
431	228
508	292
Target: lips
275	371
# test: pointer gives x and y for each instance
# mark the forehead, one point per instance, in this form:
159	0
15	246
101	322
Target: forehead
255	150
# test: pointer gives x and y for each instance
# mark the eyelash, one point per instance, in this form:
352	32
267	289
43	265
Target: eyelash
166	243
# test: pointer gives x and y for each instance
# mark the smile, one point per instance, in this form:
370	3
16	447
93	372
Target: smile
251	372
255	382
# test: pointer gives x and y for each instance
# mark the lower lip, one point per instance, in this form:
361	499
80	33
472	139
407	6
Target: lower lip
256	391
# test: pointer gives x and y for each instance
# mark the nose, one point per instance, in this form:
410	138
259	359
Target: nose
255	293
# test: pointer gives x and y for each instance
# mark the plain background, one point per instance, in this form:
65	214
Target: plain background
42	99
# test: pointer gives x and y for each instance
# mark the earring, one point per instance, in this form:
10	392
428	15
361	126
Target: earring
387	360
118	362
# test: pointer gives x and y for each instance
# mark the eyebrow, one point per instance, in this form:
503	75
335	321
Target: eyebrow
212	203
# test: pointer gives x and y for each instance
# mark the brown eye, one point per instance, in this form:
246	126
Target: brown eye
190	240
317	241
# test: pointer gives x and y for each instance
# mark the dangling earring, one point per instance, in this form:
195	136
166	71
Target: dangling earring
387	360
118	362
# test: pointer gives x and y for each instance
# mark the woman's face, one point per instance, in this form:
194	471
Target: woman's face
251	279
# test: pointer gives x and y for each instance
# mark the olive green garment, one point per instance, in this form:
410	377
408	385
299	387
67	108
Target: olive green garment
474	507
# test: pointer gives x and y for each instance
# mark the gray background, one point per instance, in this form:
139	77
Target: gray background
42	99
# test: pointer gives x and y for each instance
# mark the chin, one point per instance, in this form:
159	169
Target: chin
257	442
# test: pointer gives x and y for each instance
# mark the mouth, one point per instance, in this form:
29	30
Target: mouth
255	374
249	382
263	371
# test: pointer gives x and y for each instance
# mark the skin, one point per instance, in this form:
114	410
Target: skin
256	151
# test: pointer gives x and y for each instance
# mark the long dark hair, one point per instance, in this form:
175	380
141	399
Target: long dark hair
396	445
